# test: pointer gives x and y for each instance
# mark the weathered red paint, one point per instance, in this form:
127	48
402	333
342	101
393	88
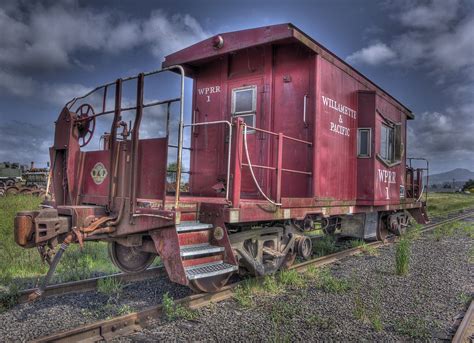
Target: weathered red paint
289	71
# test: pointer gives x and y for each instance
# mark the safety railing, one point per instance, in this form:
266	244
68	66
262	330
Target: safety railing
416	188
279	160
138	107
229	147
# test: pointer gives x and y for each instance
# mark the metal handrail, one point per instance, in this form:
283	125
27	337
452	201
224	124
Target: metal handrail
410	160
251	170
276	134
229	148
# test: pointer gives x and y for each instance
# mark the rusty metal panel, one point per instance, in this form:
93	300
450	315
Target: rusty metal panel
152	157
96	175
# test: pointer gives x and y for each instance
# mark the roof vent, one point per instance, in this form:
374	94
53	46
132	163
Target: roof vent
218	42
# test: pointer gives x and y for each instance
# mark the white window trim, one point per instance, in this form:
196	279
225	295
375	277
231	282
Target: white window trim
253	112
254	100
369	143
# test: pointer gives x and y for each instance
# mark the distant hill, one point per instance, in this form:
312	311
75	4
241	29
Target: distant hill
460	175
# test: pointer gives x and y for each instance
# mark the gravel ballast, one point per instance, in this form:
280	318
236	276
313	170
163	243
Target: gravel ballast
379	306
58	313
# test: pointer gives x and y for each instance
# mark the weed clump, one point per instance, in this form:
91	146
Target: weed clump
110	286
325	246
402	257
413	327
291	278
174	311
331	284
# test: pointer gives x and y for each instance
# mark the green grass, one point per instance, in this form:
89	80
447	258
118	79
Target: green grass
174	311
325	246
110	286
369	312
330	284
449	229
440	204
412	326
291	278
246	293
20	265
402	257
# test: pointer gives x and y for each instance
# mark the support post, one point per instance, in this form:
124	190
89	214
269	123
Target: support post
135	142
279	167
113	140
237	162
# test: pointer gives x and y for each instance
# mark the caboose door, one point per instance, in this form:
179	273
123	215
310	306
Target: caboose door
246	102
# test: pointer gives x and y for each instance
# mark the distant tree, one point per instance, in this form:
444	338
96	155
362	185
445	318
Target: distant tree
434	186
468	185
446	186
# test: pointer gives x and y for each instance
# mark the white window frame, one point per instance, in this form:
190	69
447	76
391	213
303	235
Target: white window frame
390	148
369	143
253	111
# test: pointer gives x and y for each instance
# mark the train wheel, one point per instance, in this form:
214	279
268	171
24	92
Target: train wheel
25	191
129	259
9	183
12	190
383	232
209	284
2	184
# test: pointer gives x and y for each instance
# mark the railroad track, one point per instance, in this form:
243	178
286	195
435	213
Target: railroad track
127	324
91	284
465	332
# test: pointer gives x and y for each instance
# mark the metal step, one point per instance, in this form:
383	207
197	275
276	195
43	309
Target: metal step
192	226
209	269
199	249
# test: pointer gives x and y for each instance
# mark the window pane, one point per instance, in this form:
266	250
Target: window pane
244	101
390	144
364	136
249	119
384	142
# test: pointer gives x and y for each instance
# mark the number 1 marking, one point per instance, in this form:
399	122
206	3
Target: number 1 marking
388	196
208	98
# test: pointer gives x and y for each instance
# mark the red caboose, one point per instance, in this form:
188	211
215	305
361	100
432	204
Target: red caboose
284	137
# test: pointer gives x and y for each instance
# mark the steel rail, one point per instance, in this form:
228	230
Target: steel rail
465	331
130	323
91	284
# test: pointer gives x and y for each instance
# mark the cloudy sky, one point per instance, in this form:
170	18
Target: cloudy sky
422	52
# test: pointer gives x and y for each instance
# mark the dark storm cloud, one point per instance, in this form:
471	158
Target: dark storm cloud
437	38
25	142
40	37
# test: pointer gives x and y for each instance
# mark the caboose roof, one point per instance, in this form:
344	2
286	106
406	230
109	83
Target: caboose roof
204	51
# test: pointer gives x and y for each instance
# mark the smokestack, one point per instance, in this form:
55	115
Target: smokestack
32	165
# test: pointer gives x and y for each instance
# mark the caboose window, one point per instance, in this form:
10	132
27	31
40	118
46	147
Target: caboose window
244	104
387	143
363	142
